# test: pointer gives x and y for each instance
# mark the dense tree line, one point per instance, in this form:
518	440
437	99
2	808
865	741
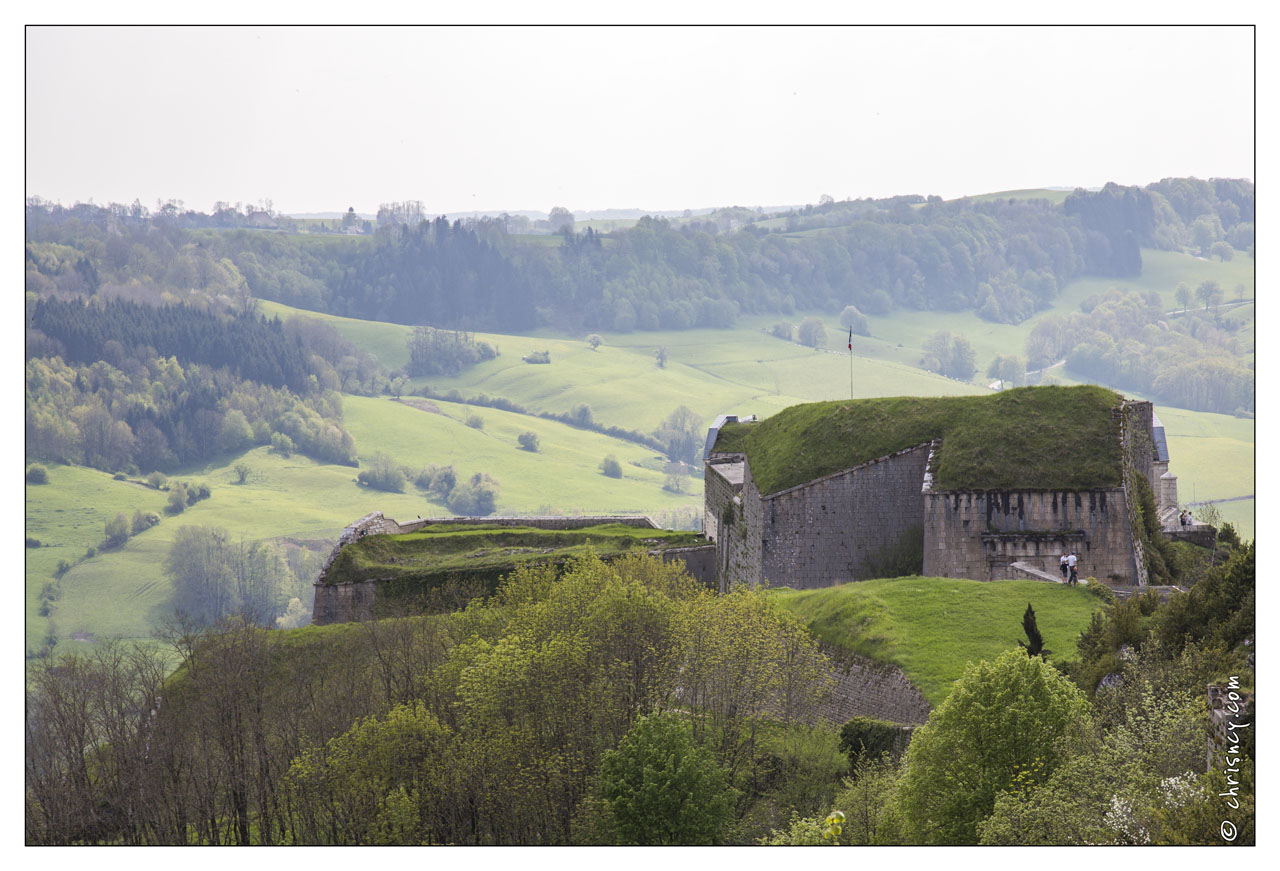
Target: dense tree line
486	726
154	413
1006	259
621	703
250	346
1125	338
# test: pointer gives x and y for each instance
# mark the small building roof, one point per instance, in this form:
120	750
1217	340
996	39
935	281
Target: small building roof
1157	434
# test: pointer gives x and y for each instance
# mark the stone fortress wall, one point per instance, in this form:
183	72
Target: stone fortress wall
831	530
834	529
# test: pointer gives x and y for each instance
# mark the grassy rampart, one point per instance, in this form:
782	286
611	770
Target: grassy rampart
1028	438
933	627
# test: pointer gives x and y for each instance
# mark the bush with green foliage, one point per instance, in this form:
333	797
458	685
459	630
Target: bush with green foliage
116	530
662	788
610	467
581	415
476	497
1003	722
281	444
370	784
382	474
528	441
866	738
851	318
37	474
475	421
156	480
143	520
537	357
812	333
177	499
34	542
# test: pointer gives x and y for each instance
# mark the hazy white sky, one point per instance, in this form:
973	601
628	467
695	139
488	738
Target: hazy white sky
318	119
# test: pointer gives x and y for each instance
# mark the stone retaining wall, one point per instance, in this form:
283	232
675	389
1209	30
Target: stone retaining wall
866	688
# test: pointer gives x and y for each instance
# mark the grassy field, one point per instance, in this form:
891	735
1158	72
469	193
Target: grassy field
564	473
1213	457
711	371
124	591
933	627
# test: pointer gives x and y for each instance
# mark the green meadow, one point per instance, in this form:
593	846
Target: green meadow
125	591
933	627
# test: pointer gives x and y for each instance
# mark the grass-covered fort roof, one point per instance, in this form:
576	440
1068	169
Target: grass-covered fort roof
1029	438
439	551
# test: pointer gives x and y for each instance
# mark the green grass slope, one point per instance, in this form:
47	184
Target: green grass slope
1026	438
933	627
710	371
123	592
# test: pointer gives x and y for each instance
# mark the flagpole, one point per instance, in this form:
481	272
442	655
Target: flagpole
850	363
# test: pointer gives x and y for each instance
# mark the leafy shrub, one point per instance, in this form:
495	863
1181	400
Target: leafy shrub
594	341
782	330
537	357
610	467
119	476
663	788
1096	588
62	569
868	738
156	480
281	444
443	480
142	521
196	492
177	499
475	421
477	497
580	415
37	474
528	441
812	333
117	530
382	474
851	318
90	552
33	542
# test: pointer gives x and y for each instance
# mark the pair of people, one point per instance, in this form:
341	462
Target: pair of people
1068	565
1185	518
